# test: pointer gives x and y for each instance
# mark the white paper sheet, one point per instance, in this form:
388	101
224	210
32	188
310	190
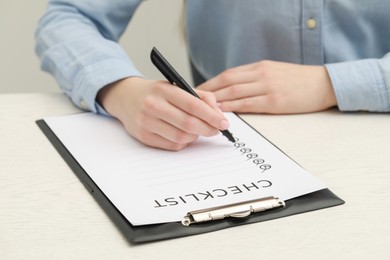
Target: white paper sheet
150	185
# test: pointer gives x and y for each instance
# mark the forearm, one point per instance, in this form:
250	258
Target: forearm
362	85
76	42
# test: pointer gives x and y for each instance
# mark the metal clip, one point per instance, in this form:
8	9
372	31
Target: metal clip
236	210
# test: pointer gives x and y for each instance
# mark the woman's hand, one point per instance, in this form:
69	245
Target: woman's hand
273	87
161	115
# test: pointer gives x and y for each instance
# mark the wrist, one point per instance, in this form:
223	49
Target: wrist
113	96
329	95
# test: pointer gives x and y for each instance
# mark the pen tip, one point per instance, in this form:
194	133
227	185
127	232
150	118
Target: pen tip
229	136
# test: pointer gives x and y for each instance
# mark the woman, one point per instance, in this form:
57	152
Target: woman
257	56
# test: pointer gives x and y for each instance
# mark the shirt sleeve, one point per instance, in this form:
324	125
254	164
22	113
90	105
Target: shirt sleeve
362	84
77	42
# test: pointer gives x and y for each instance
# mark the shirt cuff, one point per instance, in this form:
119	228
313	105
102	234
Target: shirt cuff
94	77
359	85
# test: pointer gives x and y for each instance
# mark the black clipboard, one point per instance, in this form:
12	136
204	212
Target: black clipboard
148	233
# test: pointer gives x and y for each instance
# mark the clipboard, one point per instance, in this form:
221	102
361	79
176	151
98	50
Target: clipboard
230	218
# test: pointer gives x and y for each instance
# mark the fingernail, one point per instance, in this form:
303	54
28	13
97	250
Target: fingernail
224	124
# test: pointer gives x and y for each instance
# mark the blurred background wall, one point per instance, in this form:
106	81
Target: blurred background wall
156	23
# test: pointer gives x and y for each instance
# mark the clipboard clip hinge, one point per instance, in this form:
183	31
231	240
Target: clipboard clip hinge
236	210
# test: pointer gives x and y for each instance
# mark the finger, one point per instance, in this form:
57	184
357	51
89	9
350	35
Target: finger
245	67
228	78
269	104
170	107
209	98
176	117
194	113
157	141
240	91
258	104
170	132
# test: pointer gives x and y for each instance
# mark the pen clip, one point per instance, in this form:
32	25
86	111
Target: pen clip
169	72
162	65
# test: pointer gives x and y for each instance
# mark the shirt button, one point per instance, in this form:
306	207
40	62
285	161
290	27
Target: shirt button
311	23
83	104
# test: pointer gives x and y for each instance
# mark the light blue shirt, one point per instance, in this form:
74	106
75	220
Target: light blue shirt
77	42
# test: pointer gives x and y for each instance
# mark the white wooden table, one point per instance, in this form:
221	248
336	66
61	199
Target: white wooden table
46	213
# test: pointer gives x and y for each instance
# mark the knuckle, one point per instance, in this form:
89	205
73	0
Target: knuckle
264	68
234	90
180	137
268	102
227	106
159	89
175	147
189	124
195	105
247	104
226	76
149	105
142	121
208	96
264	63
273	102
159	86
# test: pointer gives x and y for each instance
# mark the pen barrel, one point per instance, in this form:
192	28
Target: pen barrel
169	72
181	83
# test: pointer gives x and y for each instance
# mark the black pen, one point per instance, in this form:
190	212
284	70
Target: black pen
175	79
